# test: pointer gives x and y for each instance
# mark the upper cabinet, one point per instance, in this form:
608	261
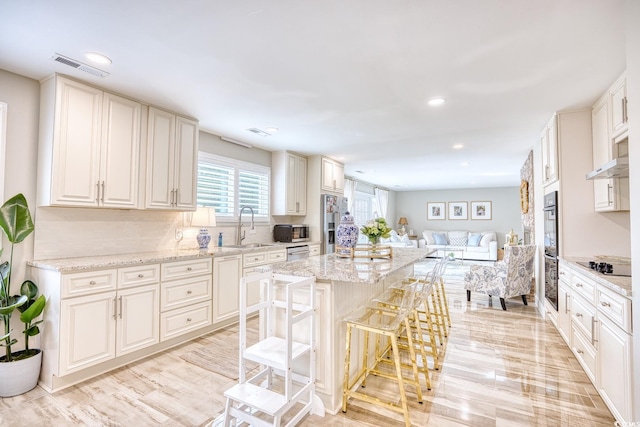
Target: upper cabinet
610	194
549	141
289	195
89	147
172	156
332	176
618	101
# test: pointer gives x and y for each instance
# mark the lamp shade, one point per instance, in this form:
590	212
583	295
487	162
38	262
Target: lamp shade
204	217
403	221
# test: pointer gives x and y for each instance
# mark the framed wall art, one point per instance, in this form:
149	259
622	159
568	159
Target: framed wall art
458	210
436	210
480	210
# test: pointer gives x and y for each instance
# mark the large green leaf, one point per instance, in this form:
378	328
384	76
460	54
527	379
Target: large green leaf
15	219
15	303
29	289
34	311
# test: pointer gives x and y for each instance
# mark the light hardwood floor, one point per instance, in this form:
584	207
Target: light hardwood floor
500	369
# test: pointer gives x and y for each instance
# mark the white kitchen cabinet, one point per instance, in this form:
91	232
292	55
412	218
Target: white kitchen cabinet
615	368
332	176
314	249
252	260
549	142
611	194
289	194
89	146
227	271
618	101
101	326
172	156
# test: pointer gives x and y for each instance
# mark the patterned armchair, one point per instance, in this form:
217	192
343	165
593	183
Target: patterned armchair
505	279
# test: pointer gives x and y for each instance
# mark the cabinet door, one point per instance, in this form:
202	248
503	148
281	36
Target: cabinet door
602	188
90	331
75	170
186	164
120	152
338	177
618	97
138	318
160	159
327	174
292	185
614	363
301	190
226	287
564	313
550	152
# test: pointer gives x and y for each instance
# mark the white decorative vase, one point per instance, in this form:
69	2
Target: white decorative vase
347	232
19	376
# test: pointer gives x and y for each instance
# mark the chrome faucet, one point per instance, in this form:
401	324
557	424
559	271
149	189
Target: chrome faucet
240	236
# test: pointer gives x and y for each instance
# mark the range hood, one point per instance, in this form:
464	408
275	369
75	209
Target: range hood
616	168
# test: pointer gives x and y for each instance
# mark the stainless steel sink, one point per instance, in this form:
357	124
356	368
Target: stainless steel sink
251	245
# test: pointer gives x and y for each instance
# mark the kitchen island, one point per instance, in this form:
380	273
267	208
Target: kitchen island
342	286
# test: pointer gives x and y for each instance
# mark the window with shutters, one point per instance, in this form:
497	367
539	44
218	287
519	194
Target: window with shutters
228	185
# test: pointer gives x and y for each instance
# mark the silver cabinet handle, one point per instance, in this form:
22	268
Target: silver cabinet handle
578	314
562	273
189	292
93	282
578	285
579	351
97	191
102	195
189	269
593	331
188	319
609	192
566	303
624	109
175	197
120	307
115	308
605	304
140	276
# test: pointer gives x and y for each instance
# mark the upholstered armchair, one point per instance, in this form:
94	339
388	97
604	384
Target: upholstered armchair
507	278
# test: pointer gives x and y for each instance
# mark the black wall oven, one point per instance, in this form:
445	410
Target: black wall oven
551	246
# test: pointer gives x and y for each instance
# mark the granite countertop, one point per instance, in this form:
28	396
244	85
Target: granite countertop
68	265
618	284
359	270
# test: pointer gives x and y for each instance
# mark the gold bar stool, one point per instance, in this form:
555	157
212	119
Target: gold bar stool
388	324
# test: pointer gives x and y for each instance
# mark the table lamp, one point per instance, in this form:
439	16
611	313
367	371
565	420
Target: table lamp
403	221
203	217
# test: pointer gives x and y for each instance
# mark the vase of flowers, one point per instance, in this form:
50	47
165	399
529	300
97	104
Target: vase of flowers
375	229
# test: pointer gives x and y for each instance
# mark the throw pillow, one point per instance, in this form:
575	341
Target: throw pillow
440	238
428	237
457	241
486	238
474	239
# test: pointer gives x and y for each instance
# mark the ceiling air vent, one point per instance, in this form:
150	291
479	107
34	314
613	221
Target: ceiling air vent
79	65
259	132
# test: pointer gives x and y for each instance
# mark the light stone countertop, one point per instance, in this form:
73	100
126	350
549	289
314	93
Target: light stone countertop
70	265
331	268
620	285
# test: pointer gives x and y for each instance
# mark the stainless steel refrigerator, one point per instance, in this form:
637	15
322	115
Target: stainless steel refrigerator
333	207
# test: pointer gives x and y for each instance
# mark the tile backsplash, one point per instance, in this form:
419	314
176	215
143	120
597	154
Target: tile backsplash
77	232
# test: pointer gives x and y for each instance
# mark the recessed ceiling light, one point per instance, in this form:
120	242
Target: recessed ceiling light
271	129
98	58
458	146
436	101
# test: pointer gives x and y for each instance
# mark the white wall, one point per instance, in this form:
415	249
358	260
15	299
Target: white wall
505	205
22	96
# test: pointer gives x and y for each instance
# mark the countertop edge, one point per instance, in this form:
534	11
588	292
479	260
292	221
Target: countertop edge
619	285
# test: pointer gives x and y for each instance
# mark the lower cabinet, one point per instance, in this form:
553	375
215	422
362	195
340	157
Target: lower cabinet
596	324
227	271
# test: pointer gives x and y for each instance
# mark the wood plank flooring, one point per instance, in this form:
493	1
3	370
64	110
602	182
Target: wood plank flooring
500	369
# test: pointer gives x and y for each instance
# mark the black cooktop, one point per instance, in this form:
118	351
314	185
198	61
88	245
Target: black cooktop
608	269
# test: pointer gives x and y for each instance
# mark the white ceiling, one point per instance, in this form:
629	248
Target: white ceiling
349	79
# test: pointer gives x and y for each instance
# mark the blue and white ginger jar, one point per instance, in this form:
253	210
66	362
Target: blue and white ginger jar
347	232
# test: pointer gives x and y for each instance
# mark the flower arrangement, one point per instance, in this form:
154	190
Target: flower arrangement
375	229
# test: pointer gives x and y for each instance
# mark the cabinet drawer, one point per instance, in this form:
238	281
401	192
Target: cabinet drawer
616	307
138	275
583	286
257	258
277	256
182	320
183	269
89	282
564	272
585	353
183	292
314	250
583	316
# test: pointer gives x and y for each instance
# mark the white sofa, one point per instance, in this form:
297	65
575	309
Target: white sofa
474	245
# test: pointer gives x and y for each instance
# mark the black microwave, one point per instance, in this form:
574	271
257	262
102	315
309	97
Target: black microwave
291	233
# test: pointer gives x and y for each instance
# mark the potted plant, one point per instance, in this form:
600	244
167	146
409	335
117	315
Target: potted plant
19	370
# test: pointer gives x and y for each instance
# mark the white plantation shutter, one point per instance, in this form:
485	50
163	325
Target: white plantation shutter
227	185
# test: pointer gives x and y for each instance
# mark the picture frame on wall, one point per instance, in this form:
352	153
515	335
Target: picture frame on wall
436	210
458	210
480	210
